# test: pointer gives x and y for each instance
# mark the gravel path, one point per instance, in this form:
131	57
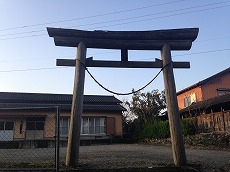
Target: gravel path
139	155
122	156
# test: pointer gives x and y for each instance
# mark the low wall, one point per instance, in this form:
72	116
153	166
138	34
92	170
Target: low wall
218	121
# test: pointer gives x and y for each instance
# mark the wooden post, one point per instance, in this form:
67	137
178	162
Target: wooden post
77	108
178	149
223	117
124	55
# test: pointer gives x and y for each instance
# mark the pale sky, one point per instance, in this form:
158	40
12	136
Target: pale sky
28	55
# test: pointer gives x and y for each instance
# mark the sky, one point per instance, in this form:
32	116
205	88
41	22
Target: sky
28	55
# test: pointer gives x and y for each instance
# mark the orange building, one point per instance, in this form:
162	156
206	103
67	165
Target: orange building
209	102
216	85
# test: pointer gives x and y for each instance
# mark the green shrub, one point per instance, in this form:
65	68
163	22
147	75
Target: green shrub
155	129
189	126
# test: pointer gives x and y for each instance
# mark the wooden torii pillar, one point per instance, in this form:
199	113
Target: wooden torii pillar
163	40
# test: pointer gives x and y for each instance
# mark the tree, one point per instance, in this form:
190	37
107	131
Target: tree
147	106
143	108
128	115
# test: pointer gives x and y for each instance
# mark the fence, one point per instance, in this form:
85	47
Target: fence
218	121
28	139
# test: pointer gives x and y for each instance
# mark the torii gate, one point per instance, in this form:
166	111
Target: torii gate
163	40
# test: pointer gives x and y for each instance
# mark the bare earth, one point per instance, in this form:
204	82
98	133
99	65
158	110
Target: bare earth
116	156
140	155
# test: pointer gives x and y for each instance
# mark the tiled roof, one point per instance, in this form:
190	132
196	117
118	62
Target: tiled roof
46	97
64	101
204	81
65	107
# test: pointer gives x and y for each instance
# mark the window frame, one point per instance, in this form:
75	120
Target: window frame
188	100
35	125
62	133
5	125
88	130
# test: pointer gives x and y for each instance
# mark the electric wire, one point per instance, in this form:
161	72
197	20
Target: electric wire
112	21
202	52
29	36
189	8
194	53
172	15
24	70
211	51
93	16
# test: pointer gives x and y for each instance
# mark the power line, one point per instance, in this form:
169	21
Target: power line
213	39
143	20
35	69
136	21
112	51
201	52
189	8
30	59
20	33
93	16
54	58
117	20
24	37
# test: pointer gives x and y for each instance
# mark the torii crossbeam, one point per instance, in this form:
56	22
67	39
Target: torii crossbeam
163	40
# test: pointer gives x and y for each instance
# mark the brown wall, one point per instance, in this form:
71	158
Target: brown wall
209	89
180	98
19	119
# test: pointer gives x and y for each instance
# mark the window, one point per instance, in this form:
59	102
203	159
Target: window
35	128
6	130
35	125
93	125
64	126
89	125
223	91
9	125
6	125
2	125
189	100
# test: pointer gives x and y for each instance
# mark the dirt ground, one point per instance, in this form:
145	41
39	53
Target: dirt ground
123	156
148	156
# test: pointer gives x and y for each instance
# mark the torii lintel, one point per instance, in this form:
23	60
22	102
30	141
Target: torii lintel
177	39
121	64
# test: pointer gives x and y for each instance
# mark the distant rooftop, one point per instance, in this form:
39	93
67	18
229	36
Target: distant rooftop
64	101
204	81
